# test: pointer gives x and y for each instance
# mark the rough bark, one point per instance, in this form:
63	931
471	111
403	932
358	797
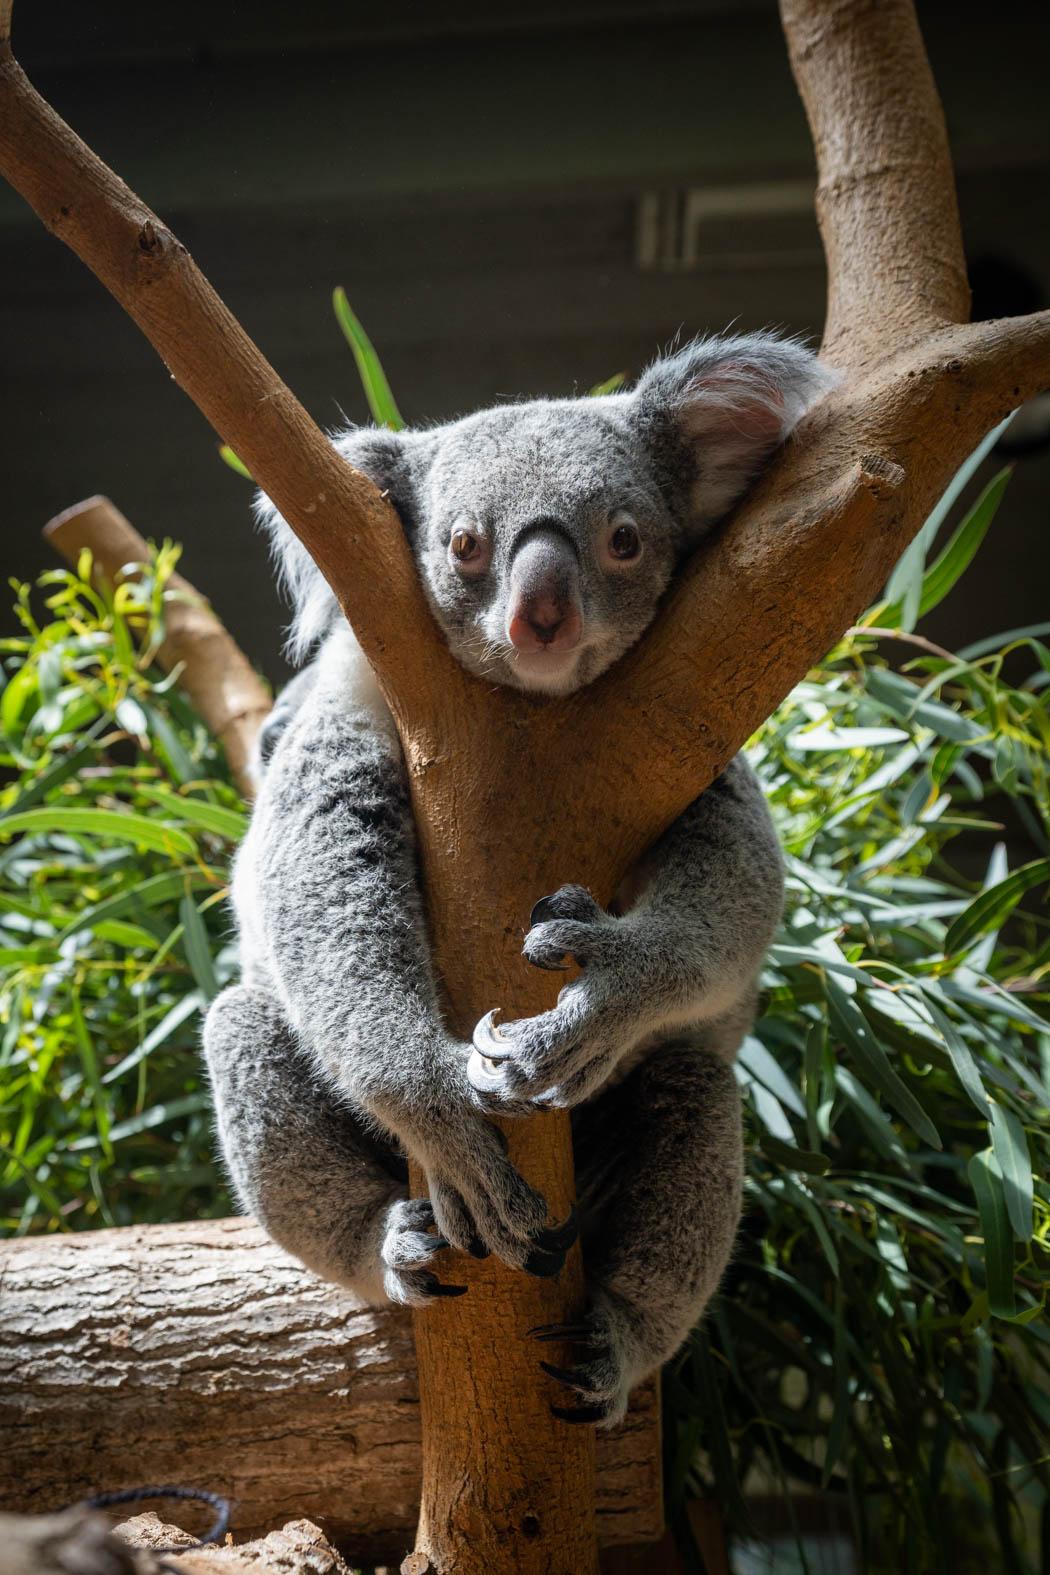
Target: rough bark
215	674
82	1542
513	796
201	1354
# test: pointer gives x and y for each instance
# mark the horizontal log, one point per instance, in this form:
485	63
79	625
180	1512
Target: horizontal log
81	1542
201	1354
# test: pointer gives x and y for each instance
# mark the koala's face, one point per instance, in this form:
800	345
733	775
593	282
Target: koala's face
544	540
547	532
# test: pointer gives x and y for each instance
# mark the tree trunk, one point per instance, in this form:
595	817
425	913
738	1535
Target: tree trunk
201	1354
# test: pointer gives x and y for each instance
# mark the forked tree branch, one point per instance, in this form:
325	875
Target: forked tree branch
885	193
514	796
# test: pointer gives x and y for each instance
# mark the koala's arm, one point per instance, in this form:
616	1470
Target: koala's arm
698	914
332	925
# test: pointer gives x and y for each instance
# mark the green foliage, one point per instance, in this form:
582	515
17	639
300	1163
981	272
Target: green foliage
882	1332
116	830
881	1335
373	379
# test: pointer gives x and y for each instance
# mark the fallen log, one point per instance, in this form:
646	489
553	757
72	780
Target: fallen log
201	1354
81	1542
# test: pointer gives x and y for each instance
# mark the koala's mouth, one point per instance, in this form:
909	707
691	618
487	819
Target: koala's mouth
551	672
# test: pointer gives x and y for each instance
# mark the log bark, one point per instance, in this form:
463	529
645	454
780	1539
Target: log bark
506	1487
219	681
82	1542
201	1354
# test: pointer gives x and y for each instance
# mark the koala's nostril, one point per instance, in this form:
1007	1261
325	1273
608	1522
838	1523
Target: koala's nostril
545	630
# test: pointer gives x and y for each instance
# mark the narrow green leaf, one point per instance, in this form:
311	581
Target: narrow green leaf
197	947
144	894
1010	1147
172	1019
89	1062
766	1069
156	1116
373	379
44	783
828	739
962	1060
121	933
959	552
853	1028
981	955
229	823
905	584
168	742
226	453
16	697
989	908
792	1158
841	1411
987	1184
106	823
611	385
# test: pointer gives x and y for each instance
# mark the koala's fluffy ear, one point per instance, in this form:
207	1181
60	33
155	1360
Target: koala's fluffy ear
714	412
382	456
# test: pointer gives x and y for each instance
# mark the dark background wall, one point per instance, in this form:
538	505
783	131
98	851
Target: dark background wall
519	199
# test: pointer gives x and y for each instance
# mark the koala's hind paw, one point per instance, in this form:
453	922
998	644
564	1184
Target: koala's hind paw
568	923
600	1379
408	1247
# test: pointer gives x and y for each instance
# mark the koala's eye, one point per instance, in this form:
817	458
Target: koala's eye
624	542
468	551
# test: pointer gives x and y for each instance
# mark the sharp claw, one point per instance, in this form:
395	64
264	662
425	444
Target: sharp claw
580	1413
545	1333
558	1238
544	1265
435	1287
545	909
477	1249
489	1040
438	1244
565	1375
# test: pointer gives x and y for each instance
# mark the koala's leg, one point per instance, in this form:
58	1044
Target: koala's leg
702	907
307	1166
659	1161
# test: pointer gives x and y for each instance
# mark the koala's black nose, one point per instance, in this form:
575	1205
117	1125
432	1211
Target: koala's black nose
544	612
545	618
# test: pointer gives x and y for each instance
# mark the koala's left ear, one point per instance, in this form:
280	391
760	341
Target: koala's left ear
713	413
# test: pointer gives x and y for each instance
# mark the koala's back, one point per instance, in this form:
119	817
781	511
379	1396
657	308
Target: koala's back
331	717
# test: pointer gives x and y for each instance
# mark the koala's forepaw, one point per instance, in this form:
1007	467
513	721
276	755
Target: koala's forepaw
600	1380
569	923
558	1058
407	1249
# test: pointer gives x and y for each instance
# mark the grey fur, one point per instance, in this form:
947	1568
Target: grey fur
330	1061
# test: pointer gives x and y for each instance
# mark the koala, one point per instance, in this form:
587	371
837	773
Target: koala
546	533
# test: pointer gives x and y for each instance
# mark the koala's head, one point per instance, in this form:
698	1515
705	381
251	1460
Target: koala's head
546	532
